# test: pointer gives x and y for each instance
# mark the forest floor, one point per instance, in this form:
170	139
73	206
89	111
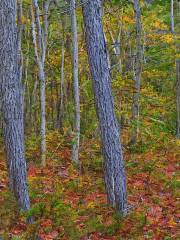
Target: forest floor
71	207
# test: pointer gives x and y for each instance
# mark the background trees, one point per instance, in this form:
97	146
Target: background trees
39	35
178	96
75	61
69	204
137	68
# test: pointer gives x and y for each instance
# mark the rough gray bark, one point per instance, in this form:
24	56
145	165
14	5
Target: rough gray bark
114	171
137	72
76	130
178	96
20	29
11	97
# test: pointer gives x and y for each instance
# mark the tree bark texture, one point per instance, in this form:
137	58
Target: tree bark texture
11	97
114	170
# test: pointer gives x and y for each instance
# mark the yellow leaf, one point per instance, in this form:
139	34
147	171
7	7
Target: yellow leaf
91	205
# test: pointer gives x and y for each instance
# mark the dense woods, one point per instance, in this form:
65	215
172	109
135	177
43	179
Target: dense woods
89	119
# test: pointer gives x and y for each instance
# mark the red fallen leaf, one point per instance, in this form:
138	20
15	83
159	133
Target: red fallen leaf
85	238
48	190
177	215
19	228
82	219
73	197
95	236
81	225
170	171
2	166
139	184
155	211
2	186
54	234
46	223
171	223
49	236
32	171
98	236
65	154
96	196
159	236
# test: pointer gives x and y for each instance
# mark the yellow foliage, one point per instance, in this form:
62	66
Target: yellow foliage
157	24
178	142
91	205
168	38
24	20
154	74
127	19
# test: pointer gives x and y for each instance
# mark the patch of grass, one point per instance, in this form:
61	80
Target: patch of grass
37	211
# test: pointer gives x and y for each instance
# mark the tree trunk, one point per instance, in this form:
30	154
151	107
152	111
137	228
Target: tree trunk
75	149
116	49
11	96
60	107
40	42
43	114
137	72
62	86
172	16
34	104
20	29
178	96
114	171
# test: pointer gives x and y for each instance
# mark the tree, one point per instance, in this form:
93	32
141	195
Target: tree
11	98
178	96
114	171
61	102
172	16
20	30
39	35
137	71
75	151
178	75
